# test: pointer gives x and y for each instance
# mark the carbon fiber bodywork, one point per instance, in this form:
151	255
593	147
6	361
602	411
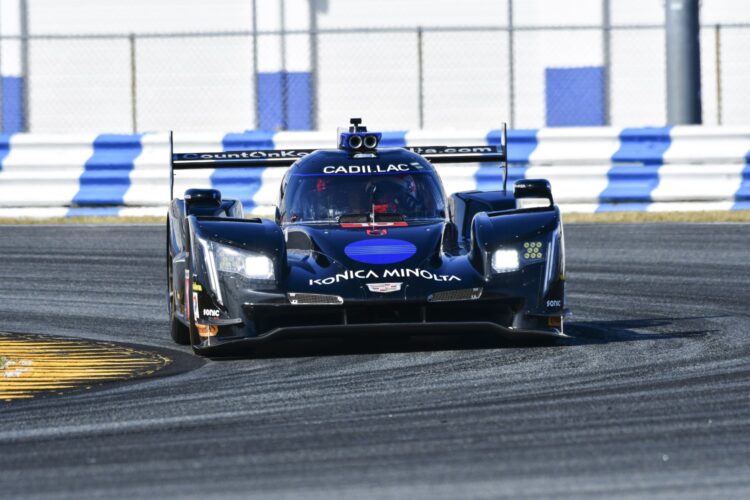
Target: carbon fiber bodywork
417	277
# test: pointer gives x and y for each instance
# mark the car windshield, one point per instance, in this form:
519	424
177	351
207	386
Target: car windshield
362	198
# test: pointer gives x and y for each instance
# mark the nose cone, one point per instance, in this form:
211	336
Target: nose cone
380	250
395	246
367	263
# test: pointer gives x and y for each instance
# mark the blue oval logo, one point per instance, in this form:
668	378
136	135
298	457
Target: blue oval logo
380	251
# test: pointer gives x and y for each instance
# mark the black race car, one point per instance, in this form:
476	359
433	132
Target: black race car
364	241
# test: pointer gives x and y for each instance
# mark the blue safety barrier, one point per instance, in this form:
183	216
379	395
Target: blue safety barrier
635	171
393	139
521	143
242	183
106	175
742	196
618	169
4	147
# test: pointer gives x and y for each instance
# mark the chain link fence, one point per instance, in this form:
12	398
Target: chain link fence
402	78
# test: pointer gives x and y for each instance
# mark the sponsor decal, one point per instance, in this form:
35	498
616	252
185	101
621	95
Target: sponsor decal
195	305
380	251
280	153
366	169
384	287
554	303
451	150
197	287
211	313
416	273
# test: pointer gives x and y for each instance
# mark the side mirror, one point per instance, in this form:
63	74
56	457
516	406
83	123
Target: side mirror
533	193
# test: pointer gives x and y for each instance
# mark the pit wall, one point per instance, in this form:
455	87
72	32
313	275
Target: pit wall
591	169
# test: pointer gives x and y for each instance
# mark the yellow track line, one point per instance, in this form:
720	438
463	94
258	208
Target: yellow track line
30	364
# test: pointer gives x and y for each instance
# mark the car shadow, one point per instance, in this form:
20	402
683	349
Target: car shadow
605	332
580	333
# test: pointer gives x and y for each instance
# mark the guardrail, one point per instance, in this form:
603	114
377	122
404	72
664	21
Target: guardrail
591	169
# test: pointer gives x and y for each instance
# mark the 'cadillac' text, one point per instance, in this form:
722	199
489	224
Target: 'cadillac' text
366	169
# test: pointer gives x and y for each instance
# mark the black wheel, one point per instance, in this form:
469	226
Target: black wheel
179	332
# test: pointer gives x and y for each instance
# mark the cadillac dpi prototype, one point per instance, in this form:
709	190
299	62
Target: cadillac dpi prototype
364	241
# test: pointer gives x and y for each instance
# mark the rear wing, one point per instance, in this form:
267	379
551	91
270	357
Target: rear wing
287	157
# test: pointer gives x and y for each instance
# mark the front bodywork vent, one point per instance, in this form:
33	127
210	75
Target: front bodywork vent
456	295
314	299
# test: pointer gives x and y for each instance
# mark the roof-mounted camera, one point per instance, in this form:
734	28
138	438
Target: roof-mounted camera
358	139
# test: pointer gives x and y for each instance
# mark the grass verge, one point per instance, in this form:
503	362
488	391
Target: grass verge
655	217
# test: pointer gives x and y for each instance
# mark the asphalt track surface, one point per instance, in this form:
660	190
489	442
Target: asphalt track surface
651	398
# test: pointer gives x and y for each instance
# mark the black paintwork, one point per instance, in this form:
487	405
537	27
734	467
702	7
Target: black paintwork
451	254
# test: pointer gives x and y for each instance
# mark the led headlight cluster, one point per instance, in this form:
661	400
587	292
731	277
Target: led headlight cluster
505	260
249	264
223	259
532	250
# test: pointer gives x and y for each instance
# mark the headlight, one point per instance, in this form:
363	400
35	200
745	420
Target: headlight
248	264
222	259
505	260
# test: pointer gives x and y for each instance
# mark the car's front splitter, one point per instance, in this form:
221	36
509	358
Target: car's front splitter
224	347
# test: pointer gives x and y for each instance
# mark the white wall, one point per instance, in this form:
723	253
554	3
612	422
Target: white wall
125	16
401	13
206	83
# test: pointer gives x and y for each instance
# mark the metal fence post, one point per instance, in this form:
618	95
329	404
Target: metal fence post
313	65
717	48
420	76
256	86
284	79
683	62
133	85
511	68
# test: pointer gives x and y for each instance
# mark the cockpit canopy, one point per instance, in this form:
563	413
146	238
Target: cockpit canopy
338	187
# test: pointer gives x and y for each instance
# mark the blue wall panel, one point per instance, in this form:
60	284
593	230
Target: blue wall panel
271	101
574	96
12	90
299	101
